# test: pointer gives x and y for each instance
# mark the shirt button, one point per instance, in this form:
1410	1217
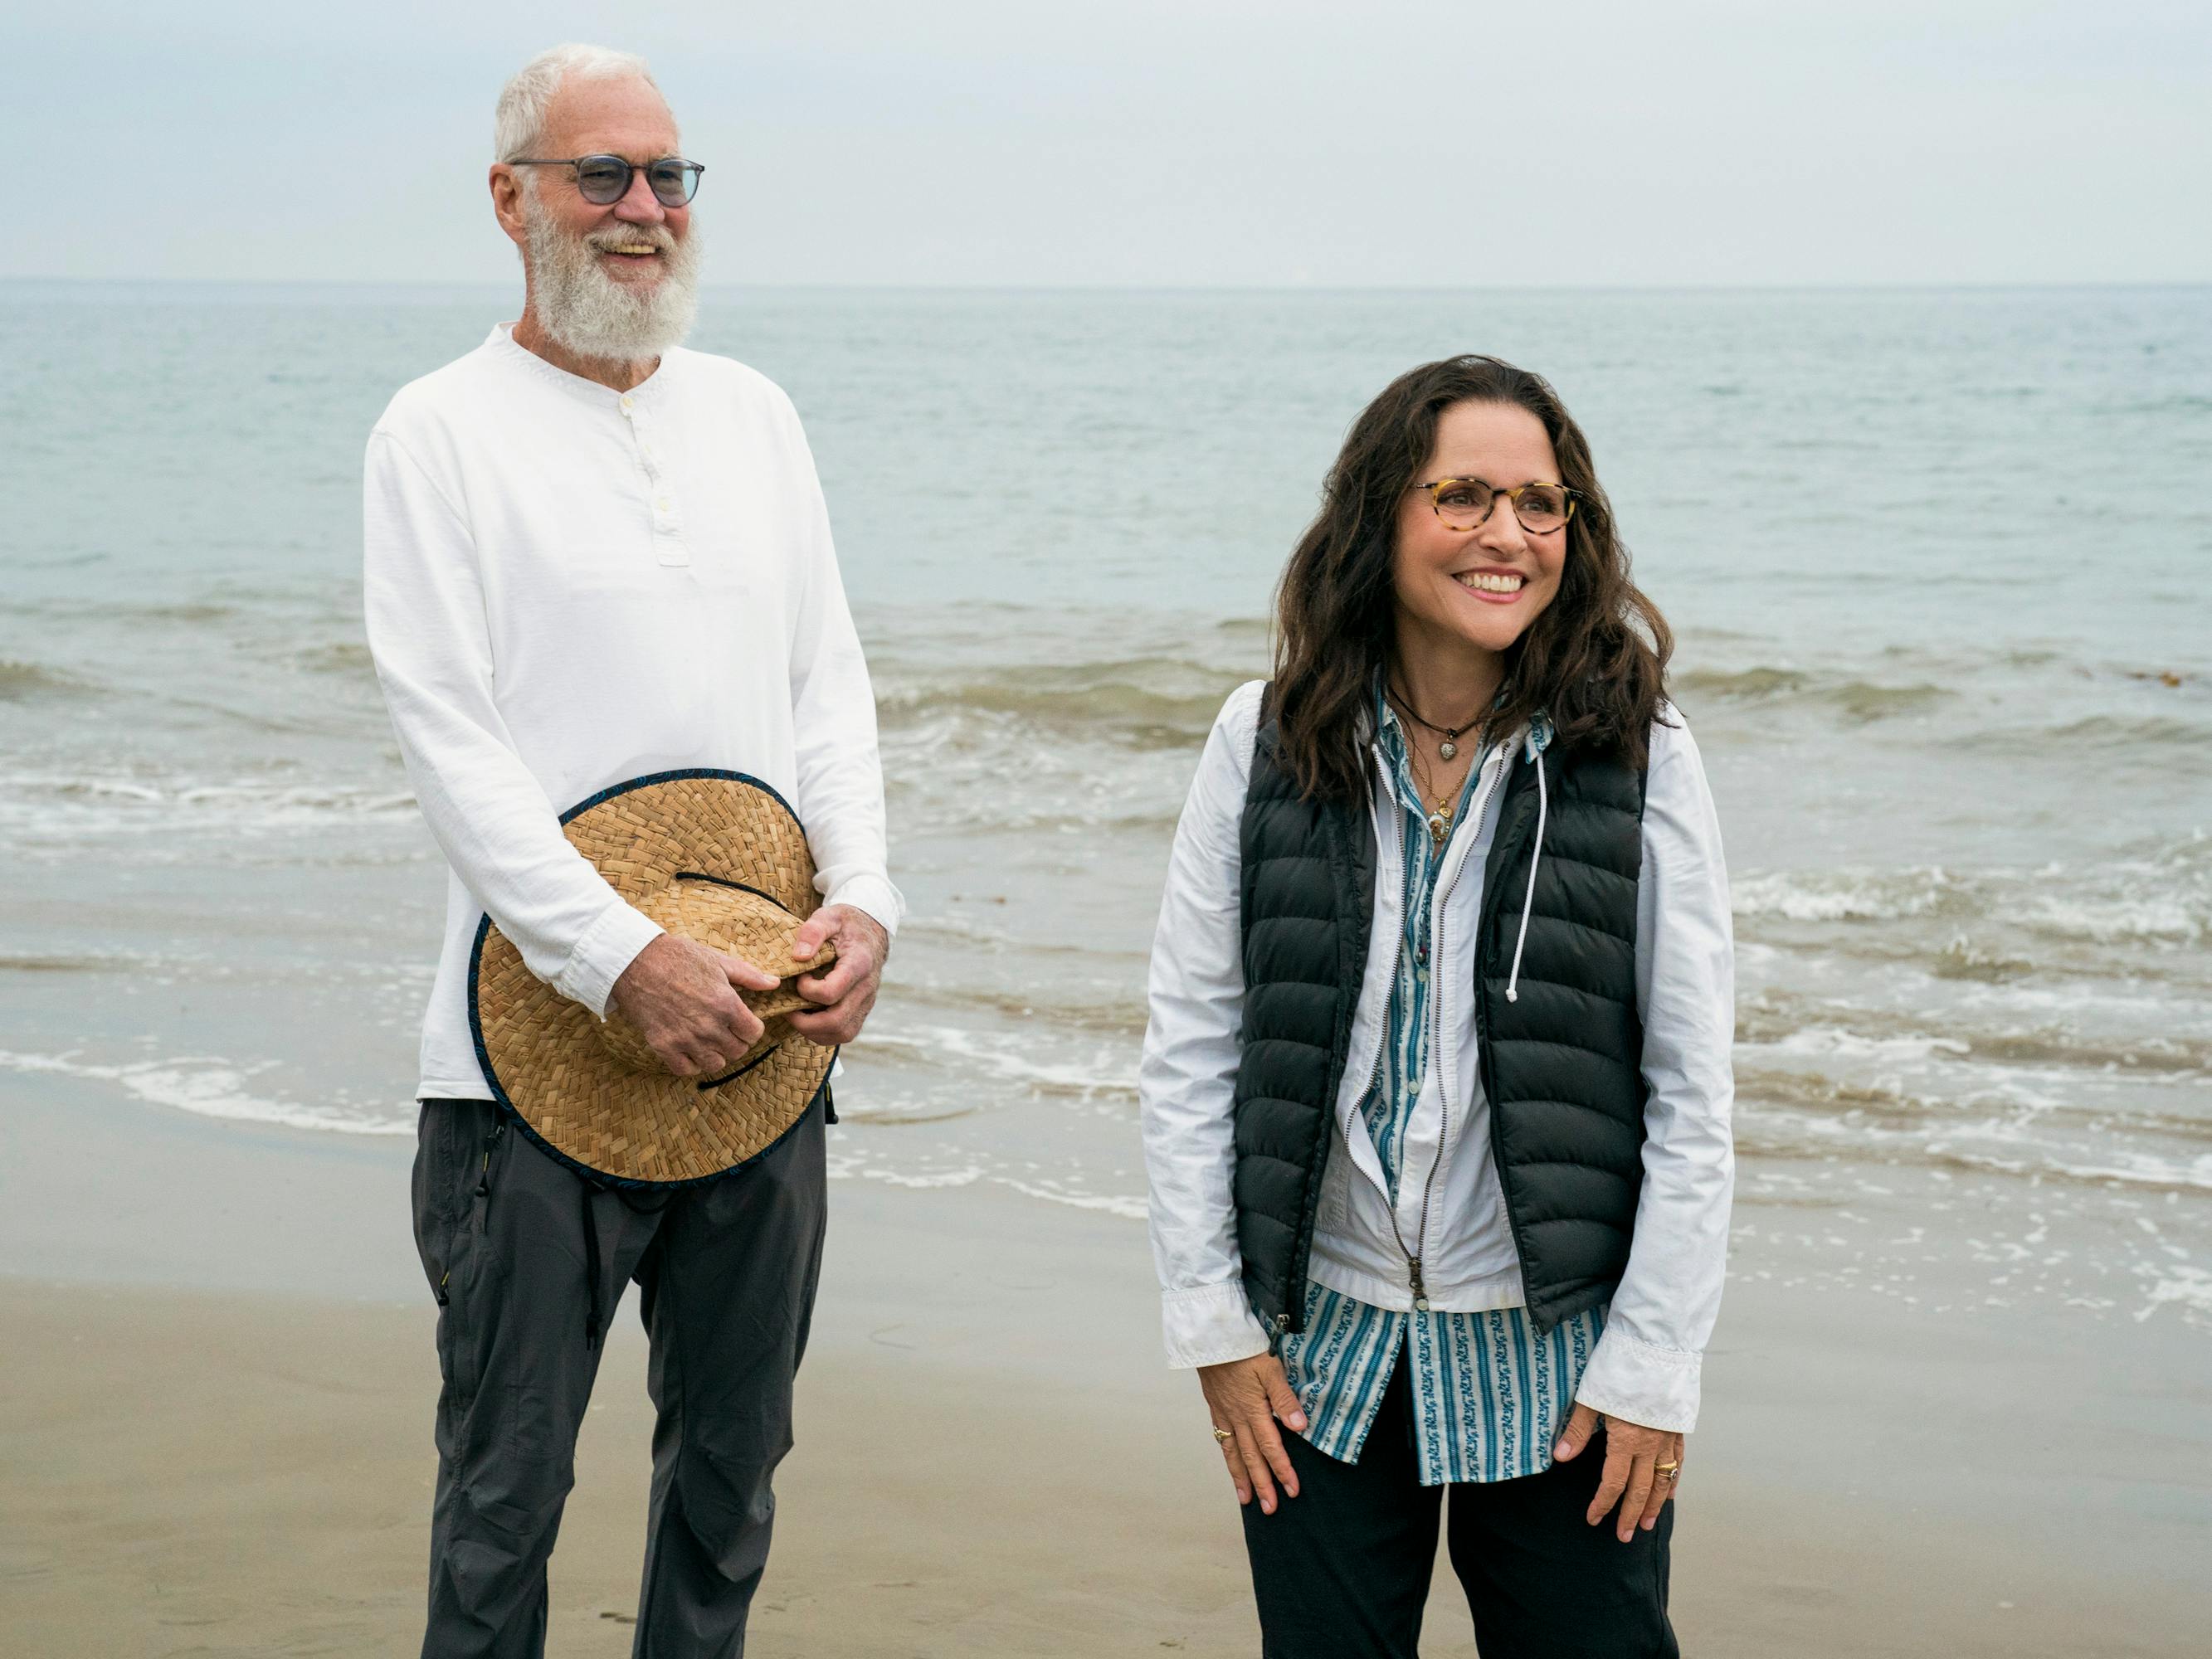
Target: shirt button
662	503
1423	975
627	404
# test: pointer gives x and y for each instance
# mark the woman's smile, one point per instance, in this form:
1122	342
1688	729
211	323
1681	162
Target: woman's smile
1491	585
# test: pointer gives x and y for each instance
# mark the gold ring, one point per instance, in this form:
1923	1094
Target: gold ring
1668	1471
1224	1436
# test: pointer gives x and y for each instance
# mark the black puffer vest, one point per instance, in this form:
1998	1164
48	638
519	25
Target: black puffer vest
1561	1064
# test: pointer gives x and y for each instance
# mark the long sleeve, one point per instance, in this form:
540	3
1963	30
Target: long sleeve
1646	1368
429	636
1186	1077
841	780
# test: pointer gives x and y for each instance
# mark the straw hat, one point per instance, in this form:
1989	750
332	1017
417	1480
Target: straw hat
716	857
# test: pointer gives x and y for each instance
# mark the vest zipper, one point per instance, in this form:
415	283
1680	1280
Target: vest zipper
1436	1043
1375	1072
1420	1236
1280	1325
1382	1041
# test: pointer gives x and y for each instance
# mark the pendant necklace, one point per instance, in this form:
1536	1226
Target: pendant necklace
1448	748
1440	821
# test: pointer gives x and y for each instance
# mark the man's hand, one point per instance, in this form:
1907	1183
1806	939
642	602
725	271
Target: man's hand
848	990
683	997
1631	1474
1245	1398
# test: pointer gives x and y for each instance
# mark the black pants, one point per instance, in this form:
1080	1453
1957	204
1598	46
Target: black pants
1341	1570
727	1273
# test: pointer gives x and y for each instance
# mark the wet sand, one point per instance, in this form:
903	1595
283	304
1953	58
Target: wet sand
217	1385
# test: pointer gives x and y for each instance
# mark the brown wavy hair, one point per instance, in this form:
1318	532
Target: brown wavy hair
1594	662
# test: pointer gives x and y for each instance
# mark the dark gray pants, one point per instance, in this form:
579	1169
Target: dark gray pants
726	1271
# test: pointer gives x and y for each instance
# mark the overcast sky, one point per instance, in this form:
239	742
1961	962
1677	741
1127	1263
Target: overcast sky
1155	141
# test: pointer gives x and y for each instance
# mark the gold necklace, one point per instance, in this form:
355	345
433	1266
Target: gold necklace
1440	821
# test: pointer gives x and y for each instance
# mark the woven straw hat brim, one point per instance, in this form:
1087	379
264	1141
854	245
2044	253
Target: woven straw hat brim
547	1058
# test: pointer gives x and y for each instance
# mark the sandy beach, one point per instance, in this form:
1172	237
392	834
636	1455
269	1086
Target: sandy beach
220	1381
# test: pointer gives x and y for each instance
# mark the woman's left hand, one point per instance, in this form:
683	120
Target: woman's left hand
1632	1475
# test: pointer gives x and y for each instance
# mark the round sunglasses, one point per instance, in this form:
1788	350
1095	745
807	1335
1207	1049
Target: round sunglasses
602	181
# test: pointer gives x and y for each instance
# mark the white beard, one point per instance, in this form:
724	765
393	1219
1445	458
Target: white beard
584	310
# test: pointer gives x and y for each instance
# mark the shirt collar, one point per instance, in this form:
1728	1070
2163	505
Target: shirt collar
1386	726
646	393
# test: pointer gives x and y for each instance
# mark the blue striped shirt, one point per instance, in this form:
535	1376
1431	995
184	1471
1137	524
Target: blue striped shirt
1490	1395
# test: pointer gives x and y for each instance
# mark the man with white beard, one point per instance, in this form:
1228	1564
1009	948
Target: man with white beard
590	556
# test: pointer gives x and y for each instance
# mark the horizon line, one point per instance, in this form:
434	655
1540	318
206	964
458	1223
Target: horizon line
1881	285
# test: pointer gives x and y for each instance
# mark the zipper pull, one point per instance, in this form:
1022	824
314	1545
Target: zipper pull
1420	1290
483	1171
1277	1326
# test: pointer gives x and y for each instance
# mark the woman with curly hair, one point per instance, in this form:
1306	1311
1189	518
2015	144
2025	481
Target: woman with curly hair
1437	1085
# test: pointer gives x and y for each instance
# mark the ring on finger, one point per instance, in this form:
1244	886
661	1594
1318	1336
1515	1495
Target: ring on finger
1224	1436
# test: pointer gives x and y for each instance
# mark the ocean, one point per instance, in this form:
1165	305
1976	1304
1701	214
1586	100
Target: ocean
1940	563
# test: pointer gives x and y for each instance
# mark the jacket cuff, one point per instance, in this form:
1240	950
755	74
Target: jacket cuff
1210	1326
1641	1383
608	946
873	894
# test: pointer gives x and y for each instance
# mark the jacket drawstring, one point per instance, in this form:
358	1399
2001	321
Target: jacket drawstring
1528	898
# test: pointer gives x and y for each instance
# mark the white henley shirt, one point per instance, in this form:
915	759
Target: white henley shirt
569	586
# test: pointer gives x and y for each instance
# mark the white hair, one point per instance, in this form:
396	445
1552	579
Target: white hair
518	124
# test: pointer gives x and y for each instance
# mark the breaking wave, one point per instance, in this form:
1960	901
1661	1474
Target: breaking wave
24	682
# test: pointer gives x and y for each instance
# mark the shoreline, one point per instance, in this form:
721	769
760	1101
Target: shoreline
221	1383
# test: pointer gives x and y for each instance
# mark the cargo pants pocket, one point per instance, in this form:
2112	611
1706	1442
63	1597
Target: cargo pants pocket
457	1143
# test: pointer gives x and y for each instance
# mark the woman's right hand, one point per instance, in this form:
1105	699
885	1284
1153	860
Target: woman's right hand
1245	1397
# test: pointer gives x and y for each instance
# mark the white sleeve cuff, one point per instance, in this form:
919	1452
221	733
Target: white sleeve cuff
873	894
1210	1326
1641	1383
608	946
